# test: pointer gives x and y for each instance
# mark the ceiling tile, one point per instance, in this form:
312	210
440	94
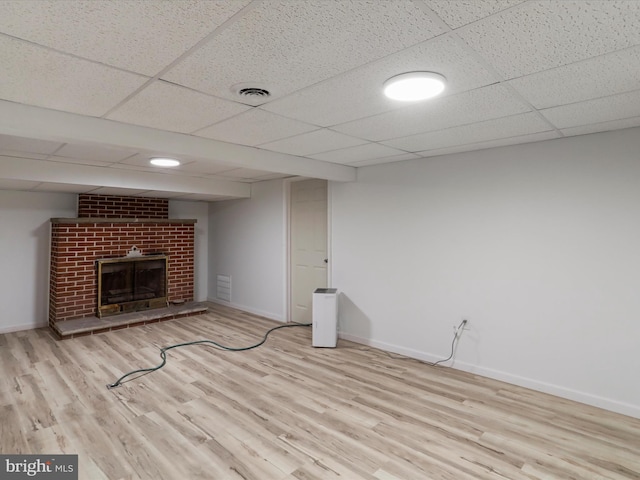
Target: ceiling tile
504	127
143	37
602	127
324	63
190	166
478	105
609	74
616	107
392	159
27	145
535	137
138	168
64	187
204	167
78	161
313	142
457	13
21	154
271	176
284	45
117	191
97	153
358	153
358	93
174	108
42	77
546	34
203	197
157	194
255	127
10	184
243	174
142	159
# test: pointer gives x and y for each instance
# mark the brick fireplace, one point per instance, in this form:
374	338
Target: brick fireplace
109	227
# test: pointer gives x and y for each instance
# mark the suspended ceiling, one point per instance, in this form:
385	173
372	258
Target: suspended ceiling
89	90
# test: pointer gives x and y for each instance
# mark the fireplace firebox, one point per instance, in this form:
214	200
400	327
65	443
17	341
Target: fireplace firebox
128	284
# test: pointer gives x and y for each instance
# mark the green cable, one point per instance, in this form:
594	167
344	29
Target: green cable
163	351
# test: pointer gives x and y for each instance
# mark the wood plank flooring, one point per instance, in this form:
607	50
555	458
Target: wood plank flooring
288	411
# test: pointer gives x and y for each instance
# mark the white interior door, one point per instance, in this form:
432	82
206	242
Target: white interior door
308	245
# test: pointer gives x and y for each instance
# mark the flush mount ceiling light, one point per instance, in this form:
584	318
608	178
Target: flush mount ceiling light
414	86
164	162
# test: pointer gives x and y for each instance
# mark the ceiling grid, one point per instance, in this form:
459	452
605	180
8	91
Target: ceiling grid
89	91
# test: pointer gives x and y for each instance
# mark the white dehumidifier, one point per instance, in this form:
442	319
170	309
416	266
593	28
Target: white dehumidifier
324	314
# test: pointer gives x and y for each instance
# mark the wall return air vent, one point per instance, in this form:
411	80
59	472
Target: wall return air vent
223	287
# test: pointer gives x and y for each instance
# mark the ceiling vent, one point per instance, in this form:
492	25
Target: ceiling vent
254	92
251	94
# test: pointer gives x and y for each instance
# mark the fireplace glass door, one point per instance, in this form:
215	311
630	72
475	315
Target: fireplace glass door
131	284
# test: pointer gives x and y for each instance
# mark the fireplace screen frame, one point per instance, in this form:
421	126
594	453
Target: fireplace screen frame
132	305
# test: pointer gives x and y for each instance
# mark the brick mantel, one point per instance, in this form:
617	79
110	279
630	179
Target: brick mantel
82	220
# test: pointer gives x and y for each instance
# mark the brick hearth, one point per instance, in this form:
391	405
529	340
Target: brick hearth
107	227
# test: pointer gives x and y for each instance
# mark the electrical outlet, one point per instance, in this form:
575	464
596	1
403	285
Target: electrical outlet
460	327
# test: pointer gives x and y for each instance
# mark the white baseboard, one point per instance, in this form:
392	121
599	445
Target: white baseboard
269	315
559	391
20	328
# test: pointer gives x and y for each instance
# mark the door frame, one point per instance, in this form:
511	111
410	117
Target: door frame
287	236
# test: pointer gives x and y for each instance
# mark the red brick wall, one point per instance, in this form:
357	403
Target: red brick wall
112	206
77	243
76	246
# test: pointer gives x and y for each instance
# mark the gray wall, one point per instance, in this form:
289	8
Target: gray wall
538	245
24	255
247	241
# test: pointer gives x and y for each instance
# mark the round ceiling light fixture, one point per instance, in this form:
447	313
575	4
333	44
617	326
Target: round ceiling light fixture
164	162
414	86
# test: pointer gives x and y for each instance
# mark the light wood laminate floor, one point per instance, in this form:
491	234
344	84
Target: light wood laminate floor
288	411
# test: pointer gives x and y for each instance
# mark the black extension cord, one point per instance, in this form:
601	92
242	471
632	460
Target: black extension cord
163	351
